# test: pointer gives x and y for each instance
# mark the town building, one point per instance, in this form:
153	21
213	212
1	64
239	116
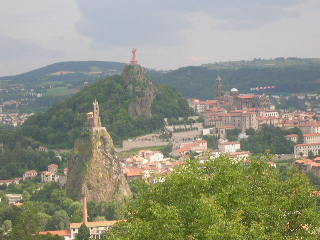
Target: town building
66	234
197	146
311	138
14	198
10	181
28	175
308	165
47	176
292	137
306	148
229	147
53	168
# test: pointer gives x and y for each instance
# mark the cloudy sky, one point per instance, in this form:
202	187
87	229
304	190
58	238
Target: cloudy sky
167	33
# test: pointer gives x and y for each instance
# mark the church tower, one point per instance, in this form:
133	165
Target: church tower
219	93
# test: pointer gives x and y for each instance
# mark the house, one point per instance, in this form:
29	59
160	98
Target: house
10	181
14	198
47	176
196	146
152	156
53	168
292	137
311	138
132	173
229	147
308	165
42	149
96	228
66	234
28	175
305	148
240	155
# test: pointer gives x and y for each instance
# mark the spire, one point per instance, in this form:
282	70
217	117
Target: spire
85	209
134	60
219	93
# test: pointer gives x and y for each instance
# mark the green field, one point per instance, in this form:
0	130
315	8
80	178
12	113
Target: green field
60	91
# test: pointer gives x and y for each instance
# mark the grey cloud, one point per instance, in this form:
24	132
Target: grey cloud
14	49
134	22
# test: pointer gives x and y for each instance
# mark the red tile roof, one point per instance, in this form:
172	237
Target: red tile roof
96	224
61	233
229	143
307	144
311	134
247	96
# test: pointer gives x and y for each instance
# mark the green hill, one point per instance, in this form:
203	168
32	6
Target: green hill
54	83
65	71
289	75
130	105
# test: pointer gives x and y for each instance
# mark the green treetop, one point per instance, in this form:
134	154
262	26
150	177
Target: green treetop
84	233
221	199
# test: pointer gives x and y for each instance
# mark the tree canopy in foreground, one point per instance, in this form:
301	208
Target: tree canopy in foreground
220	199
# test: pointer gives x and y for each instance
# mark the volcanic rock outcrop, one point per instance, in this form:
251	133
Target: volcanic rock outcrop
144	90
95	170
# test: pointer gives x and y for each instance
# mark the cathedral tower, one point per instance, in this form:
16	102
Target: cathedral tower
219	93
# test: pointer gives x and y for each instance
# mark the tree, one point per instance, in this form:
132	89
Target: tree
250	131
232	135
311	155
27	224
268	138
212	141
84	233
223	199
60	220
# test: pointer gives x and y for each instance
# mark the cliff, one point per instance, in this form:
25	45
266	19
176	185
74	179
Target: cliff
142	88
95	169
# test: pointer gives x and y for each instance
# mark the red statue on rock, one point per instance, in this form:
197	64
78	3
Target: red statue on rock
134	61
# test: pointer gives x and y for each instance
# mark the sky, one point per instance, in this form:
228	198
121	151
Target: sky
167	33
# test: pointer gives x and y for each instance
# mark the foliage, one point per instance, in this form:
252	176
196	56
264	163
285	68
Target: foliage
84	233
222	199
250	131
107	210
59	220
212	141
285	74
27	223
232	134
20	154
292	103
268	139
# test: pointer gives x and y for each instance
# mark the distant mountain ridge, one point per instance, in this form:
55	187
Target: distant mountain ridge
289	75
71	66
57	81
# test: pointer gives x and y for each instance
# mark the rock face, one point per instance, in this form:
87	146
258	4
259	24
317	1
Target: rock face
95	170
142	88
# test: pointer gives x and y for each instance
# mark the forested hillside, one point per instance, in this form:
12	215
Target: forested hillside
291	75
64	122
64	72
